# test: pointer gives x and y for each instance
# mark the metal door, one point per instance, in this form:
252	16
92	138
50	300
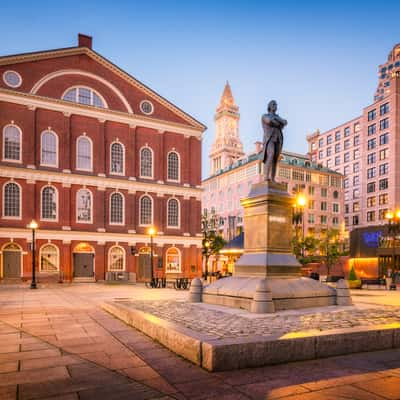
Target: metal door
83	265
11	264
144	272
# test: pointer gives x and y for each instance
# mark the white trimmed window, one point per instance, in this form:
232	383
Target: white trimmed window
173	213
146	162
146	210
84	153
49	203
173	260
173	166
84	95
117	158
116	259
12	139
12	200
49	258
84	206
116	208
49	149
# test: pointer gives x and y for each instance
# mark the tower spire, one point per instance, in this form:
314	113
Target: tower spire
227	99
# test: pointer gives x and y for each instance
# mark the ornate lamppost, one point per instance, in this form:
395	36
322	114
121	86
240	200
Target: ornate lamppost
33	226
393	219
151	233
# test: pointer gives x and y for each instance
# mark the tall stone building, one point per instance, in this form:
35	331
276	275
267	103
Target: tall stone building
364	150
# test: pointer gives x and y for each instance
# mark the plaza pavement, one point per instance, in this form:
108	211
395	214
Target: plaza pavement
57	343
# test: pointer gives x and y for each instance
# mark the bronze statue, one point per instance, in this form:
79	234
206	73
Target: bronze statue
272	124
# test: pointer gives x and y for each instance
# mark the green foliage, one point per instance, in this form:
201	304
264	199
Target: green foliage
330	247
352	274
305	249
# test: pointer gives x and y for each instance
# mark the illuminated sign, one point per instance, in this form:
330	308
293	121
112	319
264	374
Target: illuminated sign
371	239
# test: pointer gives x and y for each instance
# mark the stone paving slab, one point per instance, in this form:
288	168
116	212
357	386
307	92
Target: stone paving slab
217	338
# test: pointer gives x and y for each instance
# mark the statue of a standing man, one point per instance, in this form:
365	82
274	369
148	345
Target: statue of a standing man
272	124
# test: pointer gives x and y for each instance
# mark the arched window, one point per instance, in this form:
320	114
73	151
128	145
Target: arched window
116	208
173	260
49	203
12	200
173	213
117	158
84	206
49	149
84	95
146	210
116	259
49	258
173	166
146	163
84	153
12	139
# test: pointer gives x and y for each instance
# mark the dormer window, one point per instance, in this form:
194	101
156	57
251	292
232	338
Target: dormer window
84	95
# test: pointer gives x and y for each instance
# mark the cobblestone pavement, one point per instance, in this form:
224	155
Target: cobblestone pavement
218	323
56	343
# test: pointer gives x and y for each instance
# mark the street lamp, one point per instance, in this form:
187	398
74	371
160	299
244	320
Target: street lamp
151	232
207	246
33	225
393	219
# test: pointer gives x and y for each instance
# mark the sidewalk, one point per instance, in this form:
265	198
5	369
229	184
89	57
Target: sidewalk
56	343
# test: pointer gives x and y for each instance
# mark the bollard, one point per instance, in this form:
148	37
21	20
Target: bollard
262	301
343	297
196	291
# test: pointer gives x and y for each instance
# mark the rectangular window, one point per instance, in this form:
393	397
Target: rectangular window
346	157
371	129
329	139
311	204
346	144
383	184
356	206
335	220
346	208
382	213
337	135
384	139
323	219
324	206
356	180
321	142
335	207
337	160
371	158
356	140
355	220
384	124
346	183
337	147
311	190
356	154
371	144
347	131
383	154
346	170
324	192
311	219
384	108
371	172
370	216
320	154
372	115
356	193
383	169
356	127
329	151
371	187
371	201
356	167
383	199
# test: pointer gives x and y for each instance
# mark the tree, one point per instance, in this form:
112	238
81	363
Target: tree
305	249
330	248
352	274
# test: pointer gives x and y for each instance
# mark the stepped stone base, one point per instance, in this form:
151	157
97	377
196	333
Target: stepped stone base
287	293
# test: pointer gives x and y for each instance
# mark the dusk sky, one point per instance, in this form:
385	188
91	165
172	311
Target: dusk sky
318	60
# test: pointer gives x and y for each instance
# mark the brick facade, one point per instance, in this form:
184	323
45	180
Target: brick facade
36	106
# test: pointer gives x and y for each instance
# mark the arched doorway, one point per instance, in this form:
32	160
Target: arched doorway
83	257
49	259
11	260
144	270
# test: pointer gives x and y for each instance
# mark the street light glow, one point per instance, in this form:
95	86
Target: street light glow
151	231
301	200
33	224
389	215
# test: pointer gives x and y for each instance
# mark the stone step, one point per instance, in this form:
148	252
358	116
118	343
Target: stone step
84	279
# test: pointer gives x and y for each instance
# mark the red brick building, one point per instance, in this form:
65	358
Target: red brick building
96	158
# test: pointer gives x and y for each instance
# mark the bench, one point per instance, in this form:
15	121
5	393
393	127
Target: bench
178	283
373	281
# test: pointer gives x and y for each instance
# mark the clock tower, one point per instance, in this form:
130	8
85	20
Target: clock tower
227	147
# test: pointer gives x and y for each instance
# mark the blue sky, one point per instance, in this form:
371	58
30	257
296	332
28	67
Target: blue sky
317	59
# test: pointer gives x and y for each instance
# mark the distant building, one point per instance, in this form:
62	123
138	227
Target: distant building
233	173
364	150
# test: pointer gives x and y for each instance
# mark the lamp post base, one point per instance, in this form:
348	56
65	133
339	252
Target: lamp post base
33	285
